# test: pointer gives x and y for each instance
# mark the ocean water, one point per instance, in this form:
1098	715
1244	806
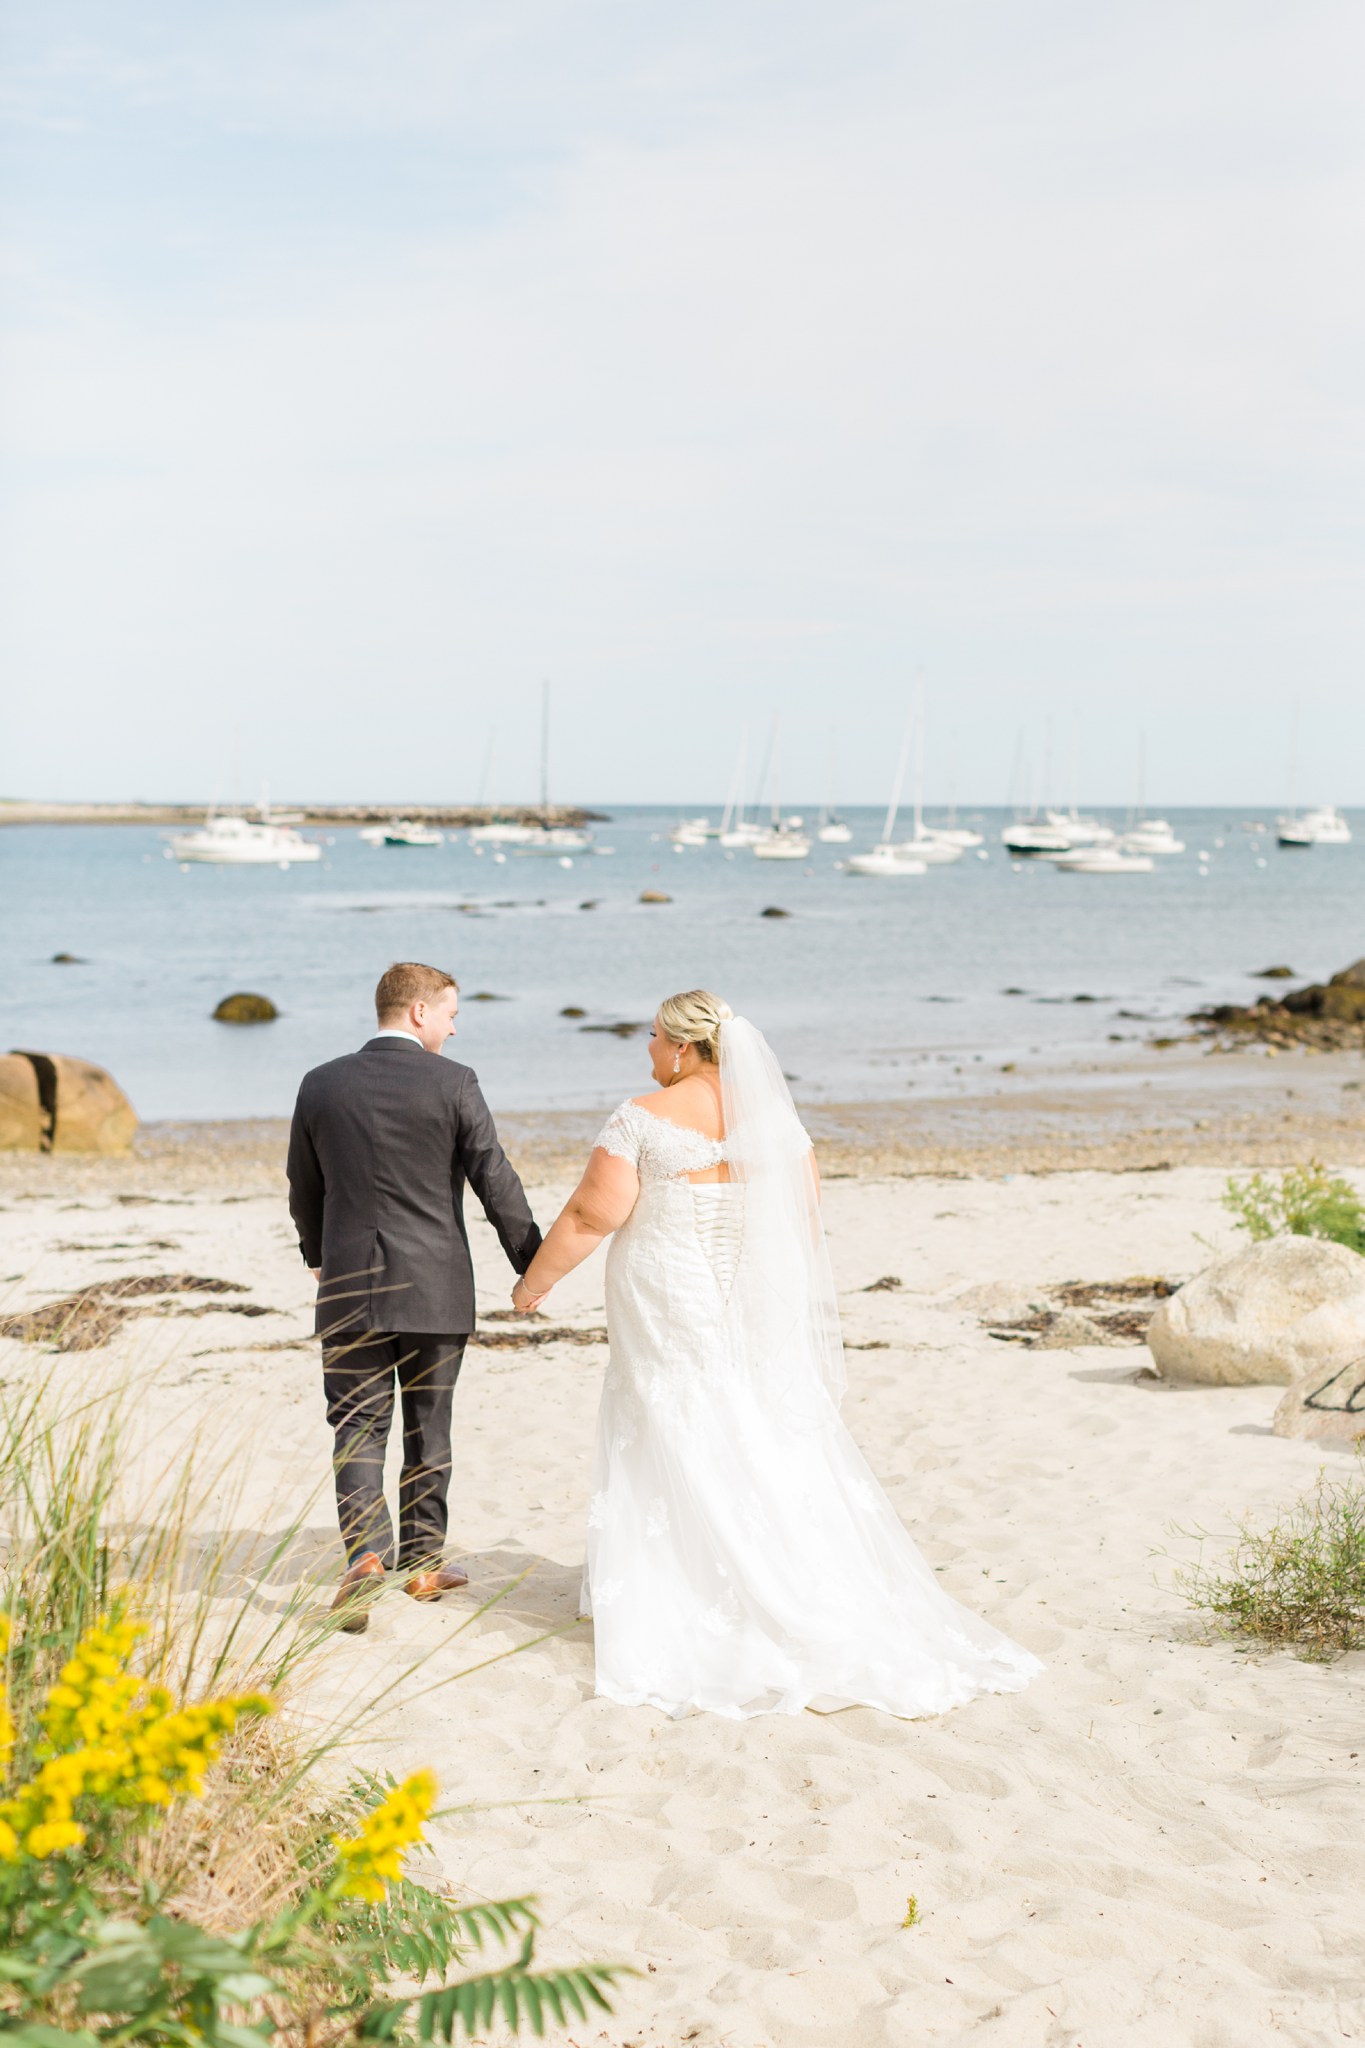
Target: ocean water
868	989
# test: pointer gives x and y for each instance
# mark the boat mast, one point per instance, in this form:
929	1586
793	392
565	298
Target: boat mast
736	792
919	756
889	827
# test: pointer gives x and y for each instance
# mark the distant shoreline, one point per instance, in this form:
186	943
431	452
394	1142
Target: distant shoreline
23	812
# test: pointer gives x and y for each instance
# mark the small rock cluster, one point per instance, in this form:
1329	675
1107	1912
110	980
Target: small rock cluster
1329	1016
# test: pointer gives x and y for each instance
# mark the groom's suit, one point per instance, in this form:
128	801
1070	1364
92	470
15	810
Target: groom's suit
382	1144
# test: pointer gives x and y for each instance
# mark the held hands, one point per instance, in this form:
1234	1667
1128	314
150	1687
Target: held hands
524	1302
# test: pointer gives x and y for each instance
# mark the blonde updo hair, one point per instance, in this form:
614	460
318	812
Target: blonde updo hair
695	1018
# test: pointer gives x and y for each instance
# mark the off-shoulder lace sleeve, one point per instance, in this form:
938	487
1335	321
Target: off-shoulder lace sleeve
620	1134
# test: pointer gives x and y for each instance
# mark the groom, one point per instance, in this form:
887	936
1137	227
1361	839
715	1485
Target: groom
382	1143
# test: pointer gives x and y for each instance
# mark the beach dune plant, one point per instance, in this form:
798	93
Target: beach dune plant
177	1864
1296	1583
1305	1201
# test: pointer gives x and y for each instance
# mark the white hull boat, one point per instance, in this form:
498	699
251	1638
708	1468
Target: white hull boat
692	832
1153	835
1324	827
236	842
781	844
555	842
1031	838
929	848
884	860
501	832
1103	860
403	832
954	835
835	833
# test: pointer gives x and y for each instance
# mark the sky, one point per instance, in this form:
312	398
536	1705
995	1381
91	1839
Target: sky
362	366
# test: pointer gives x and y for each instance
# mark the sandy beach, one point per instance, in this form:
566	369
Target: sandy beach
1159	1842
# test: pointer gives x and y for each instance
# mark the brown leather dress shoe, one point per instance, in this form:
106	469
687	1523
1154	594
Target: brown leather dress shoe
430	1585
363	1576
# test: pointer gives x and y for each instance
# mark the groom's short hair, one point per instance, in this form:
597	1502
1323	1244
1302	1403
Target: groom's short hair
408	982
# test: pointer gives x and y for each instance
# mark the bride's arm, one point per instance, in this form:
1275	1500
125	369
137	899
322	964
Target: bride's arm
599	1205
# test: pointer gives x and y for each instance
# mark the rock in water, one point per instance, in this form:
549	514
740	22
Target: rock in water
1327	1405
654	896
1270	1315
245	1009
23	1127
83	1109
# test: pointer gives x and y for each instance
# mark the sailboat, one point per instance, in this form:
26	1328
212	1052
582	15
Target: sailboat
886	858
552	842
924	846
782	840
831	829
735	830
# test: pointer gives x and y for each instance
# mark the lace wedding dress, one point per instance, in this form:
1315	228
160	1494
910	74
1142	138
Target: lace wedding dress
741	1556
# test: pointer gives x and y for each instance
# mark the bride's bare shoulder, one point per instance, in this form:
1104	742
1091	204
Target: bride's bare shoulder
689	1103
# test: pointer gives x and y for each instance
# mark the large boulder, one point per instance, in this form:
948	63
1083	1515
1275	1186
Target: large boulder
1350	977
83	1108
23	1127
1272	1314
1328	1405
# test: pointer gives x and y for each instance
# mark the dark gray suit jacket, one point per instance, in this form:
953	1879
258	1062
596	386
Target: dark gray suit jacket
382	1143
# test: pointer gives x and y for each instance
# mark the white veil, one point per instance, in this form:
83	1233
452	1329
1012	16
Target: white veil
784	1314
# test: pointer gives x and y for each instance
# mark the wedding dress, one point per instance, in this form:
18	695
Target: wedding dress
741	1556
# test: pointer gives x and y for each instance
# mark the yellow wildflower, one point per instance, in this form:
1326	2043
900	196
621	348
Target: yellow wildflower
112	1737
373	1859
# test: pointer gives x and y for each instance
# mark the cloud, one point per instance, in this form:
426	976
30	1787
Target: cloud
743	361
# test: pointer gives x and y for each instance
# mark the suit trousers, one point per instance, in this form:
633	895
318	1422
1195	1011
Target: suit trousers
358	1379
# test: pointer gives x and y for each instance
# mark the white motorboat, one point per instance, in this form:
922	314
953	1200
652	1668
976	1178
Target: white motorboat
404	832
373	835
1103	860
237	842
1151	835
834	832
1321	827
501	832
884	860
781	843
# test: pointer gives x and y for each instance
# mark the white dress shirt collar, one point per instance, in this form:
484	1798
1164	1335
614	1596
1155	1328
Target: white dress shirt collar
397	1031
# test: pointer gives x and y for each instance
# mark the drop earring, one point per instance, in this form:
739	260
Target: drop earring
677	1062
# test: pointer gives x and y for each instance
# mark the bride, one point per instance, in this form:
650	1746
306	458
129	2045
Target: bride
741	1556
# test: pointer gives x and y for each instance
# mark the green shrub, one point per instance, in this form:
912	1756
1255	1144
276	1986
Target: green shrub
1307	1201
1298	1584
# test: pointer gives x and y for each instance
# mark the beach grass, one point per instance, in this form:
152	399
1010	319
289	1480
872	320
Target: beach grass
243	1883
1295	1583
